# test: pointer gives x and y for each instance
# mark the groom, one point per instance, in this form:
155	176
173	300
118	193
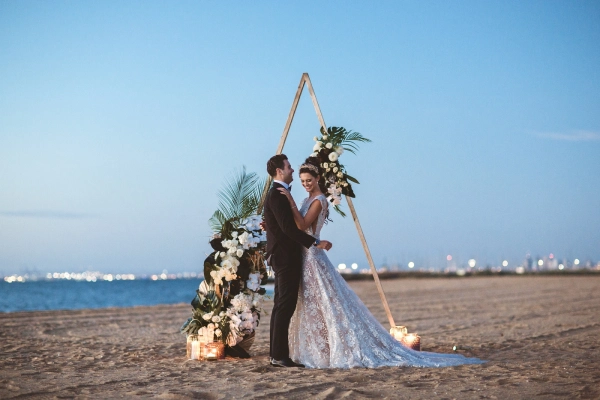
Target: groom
284	255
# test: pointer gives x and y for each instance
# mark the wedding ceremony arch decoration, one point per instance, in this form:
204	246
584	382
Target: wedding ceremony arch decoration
334	195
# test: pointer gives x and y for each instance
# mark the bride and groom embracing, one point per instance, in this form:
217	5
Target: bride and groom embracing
317	320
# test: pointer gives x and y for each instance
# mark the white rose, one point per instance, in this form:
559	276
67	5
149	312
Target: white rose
333	156
335	169
222	313
208	316
223	254
218	332
232	250
234	243
234	234
325	165
340	174
339	150
324	137
247	325
316	147
216	318
240	252
243	238
329	145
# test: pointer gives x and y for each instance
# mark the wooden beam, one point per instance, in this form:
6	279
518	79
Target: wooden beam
354	215
284	136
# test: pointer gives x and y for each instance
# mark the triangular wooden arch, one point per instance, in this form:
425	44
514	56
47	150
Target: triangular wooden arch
306	80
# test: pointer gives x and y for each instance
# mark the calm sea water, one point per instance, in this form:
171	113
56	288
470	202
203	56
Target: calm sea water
71	295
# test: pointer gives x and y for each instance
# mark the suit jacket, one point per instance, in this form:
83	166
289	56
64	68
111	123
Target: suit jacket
283	236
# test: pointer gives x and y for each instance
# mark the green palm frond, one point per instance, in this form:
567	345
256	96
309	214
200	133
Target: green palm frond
238	199
349	140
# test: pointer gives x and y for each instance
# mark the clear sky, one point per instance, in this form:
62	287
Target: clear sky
120	119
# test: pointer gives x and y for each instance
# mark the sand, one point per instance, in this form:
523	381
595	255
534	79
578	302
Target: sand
540	336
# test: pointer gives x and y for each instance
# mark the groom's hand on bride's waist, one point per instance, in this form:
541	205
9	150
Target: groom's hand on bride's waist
324	244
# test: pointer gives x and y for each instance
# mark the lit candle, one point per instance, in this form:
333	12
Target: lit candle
398	332
211	354
195	350
413	341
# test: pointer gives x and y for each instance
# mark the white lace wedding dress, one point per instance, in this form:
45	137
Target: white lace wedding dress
332	328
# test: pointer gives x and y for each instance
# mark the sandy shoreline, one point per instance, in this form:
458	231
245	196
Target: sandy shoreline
539	334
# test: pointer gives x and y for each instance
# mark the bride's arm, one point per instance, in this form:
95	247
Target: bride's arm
313	212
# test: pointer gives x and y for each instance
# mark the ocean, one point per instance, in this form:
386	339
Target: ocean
72	295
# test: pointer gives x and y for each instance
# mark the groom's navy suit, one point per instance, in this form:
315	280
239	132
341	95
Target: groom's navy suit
283	247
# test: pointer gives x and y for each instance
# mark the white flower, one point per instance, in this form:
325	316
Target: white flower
314	154
325	165
232	250
207	316
234	243
318	146
345	184
339	150
216	319
234	234
327	169
315	138
218	332
253	282
329	145
324	137
222	313
340	174
333	156
240	252
243	238
223	254
211	326
247	325
335	169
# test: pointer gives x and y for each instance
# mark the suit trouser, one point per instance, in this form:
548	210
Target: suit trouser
287	283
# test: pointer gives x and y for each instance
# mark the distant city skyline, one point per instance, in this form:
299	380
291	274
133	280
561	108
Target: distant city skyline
119	121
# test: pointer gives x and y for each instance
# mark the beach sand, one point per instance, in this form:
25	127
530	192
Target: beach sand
540	336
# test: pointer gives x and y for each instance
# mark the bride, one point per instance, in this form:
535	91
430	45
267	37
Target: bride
331	327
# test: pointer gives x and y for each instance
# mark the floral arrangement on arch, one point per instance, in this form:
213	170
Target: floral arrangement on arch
328	149
228	301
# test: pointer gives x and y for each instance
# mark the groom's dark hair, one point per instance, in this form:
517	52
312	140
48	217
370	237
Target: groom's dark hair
275	162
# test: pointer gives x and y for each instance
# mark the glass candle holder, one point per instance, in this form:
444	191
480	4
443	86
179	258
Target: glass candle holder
215	351
412	341
398	332
193	348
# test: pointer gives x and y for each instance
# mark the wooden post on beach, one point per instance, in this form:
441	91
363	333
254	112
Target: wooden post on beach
306	80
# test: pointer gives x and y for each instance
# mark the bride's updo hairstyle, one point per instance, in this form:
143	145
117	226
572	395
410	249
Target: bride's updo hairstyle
311	166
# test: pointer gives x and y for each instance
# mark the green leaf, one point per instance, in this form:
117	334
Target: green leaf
352	179
238	199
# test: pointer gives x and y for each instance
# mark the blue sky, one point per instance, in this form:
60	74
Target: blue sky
119	120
